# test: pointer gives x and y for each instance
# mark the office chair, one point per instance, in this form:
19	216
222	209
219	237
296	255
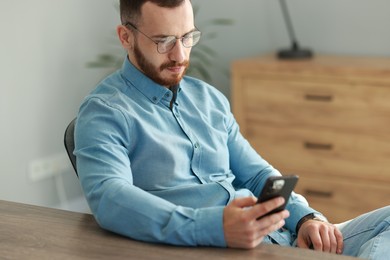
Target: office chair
69	144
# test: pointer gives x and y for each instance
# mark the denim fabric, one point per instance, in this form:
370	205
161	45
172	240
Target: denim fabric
162	174
368	236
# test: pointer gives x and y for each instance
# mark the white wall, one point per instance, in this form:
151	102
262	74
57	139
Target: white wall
247	36
45	45
346	27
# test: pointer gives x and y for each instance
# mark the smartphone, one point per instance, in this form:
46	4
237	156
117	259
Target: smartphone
278	186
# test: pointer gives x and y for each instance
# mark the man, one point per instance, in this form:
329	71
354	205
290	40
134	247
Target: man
161	159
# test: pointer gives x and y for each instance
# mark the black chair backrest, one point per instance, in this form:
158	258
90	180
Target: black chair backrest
69	143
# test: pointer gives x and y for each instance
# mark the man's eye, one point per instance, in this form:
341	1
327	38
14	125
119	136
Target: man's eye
188	36
166	40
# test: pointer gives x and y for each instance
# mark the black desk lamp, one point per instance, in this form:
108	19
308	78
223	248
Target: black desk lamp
295	52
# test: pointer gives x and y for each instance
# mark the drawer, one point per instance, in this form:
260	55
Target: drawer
357	108
342	200
327	120
320	69
323	153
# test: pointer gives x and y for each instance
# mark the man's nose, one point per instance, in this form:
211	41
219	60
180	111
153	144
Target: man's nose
178	52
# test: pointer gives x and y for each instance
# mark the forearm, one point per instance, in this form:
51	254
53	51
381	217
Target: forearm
132	212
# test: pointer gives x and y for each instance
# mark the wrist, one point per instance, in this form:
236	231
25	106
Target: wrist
311	216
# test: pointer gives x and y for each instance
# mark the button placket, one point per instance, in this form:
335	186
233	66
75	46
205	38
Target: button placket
196	155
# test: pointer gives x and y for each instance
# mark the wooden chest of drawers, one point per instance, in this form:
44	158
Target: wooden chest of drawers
327	120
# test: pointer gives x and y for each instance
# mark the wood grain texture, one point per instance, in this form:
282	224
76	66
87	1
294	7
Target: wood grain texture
33	232
326	119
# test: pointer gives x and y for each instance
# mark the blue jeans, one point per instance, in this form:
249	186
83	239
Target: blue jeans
368	236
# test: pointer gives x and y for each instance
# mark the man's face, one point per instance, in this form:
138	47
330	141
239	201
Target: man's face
167	74
169	68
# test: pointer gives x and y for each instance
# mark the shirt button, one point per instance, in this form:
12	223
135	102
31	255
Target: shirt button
196	145
167	95
154	99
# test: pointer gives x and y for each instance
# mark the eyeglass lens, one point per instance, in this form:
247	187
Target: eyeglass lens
188	40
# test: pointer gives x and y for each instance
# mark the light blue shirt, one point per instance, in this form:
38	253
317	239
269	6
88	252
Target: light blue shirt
164	175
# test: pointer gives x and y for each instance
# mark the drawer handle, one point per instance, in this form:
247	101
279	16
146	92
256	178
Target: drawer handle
318	193
321	98
318	146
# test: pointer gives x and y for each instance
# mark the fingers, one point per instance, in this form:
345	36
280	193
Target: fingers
333	241
309	237
339	241
241	225
324	239
321	239
266	224
244	202
258	210
260	228
321	236
330	243
263	208
271	223
329	240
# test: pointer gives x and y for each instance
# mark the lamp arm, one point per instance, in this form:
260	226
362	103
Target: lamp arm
288	22
295	52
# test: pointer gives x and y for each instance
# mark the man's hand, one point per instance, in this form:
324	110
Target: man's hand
241	223
320	236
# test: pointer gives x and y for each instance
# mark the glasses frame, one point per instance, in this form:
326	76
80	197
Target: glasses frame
159	43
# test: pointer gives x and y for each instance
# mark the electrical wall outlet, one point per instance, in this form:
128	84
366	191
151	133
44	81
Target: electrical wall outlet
47	167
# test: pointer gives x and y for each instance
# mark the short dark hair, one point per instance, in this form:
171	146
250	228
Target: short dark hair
130	10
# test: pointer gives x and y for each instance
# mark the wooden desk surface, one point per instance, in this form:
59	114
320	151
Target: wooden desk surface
33	232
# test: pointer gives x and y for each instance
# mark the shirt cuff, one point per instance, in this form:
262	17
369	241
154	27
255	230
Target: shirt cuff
209	227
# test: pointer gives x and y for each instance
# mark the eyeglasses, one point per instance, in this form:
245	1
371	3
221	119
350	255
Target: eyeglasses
165	44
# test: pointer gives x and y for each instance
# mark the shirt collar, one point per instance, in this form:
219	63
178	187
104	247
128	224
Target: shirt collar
153	91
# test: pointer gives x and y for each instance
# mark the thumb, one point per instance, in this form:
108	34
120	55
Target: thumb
244	202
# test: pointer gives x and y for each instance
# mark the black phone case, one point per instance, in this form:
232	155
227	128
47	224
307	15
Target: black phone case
277	186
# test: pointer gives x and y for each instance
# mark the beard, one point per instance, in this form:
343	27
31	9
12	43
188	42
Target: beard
154	73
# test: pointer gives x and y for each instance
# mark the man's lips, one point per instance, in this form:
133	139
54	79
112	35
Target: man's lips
176	69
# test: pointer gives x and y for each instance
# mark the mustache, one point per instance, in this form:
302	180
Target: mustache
174	64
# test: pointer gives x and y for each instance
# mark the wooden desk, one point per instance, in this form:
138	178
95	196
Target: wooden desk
33	232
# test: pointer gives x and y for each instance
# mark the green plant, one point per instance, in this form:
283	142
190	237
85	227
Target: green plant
202	55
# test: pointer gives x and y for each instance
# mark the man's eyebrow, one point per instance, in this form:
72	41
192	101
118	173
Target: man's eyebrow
165	35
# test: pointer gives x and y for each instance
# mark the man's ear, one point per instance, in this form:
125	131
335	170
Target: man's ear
125	37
